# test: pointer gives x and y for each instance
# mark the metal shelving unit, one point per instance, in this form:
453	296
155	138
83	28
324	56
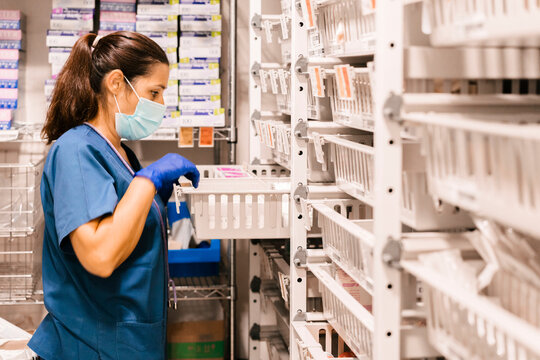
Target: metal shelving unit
449	138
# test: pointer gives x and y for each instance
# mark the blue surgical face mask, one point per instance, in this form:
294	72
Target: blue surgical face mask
145	120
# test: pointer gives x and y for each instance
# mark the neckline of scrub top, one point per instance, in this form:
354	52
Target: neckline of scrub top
128	166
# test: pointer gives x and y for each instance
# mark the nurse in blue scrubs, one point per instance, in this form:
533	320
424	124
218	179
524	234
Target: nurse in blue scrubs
105	247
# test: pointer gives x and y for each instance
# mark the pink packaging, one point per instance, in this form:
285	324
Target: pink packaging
5	115
117	16
10	35
9	54
9	74
119	1
9	93
10	14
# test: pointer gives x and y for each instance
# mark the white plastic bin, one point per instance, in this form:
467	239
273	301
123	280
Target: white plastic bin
487	167
349	242
315	341
354	169
357	112
482	22
465	325
354	323
346	28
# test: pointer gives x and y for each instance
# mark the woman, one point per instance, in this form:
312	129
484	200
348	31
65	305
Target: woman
104	250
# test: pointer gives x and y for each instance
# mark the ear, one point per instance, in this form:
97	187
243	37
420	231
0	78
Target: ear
114	81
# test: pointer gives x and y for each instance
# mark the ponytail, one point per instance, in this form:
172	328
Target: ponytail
73	100
78	90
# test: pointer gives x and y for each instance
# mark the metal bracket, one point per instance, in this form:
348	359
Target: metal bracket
391	254
392	108
300	316
300	258
301	192
301	65
255	285
255	68
256	22
301	129
256	115
255	332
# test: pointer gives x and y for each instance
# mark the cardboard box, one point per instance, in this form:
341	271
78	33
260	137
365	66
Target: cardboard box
196	340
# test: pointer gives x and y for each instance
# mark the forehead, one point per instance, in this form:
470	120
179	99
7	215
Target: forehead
158	74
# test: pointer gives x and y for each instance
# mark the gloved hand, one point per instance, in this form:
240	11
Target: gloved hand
166	171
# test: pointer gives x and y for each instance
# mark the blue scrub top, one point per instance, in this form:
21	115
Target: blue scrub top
90	318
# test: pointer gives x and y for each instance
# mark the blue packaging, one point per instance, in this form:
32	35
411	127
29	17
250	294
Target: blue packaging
9	64
116	26
11	44
10	24
8	103
122	7
8	84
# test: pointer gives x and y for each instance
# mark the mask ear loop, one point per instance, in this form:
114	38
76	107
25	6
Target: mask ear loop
132	88
118	106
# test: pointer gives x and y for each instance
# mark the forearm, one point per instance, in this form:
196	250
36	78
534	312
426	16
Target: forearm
104	244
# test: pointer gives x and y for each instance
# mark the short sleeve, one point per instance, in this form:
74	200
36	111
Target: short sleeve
82	187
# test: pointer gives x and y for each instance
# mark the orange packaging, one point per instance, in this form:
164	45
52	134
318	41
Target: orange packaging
206	137
185	137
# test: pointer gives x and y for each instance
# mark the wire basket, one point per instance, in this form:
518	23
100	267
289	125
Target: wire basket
346	28
358	111
20	200
353	322
464	325
482	22
484	166
20	265
354	170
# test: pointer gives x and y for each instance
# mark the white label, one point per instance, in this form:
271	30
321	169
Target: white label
308	13
273	81
283	81
264	84
319	152
284	28
317	83
268	30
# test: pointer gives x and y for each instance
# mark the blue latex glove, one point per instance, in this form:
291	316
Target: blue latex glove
165	172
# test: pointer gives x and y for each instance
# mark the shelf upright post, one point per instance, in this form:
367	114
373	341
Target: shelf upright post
255	57
388	176
299	153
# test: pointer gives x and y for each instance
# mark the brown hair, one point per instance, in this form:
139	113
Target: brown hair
77	92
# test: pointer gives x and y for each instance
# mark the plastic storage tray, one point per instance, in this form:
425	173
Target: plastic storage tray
354	168
485	167
246	208
349	243
356	112
195	262
464	325
353	322
347	27
315	341
484	22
